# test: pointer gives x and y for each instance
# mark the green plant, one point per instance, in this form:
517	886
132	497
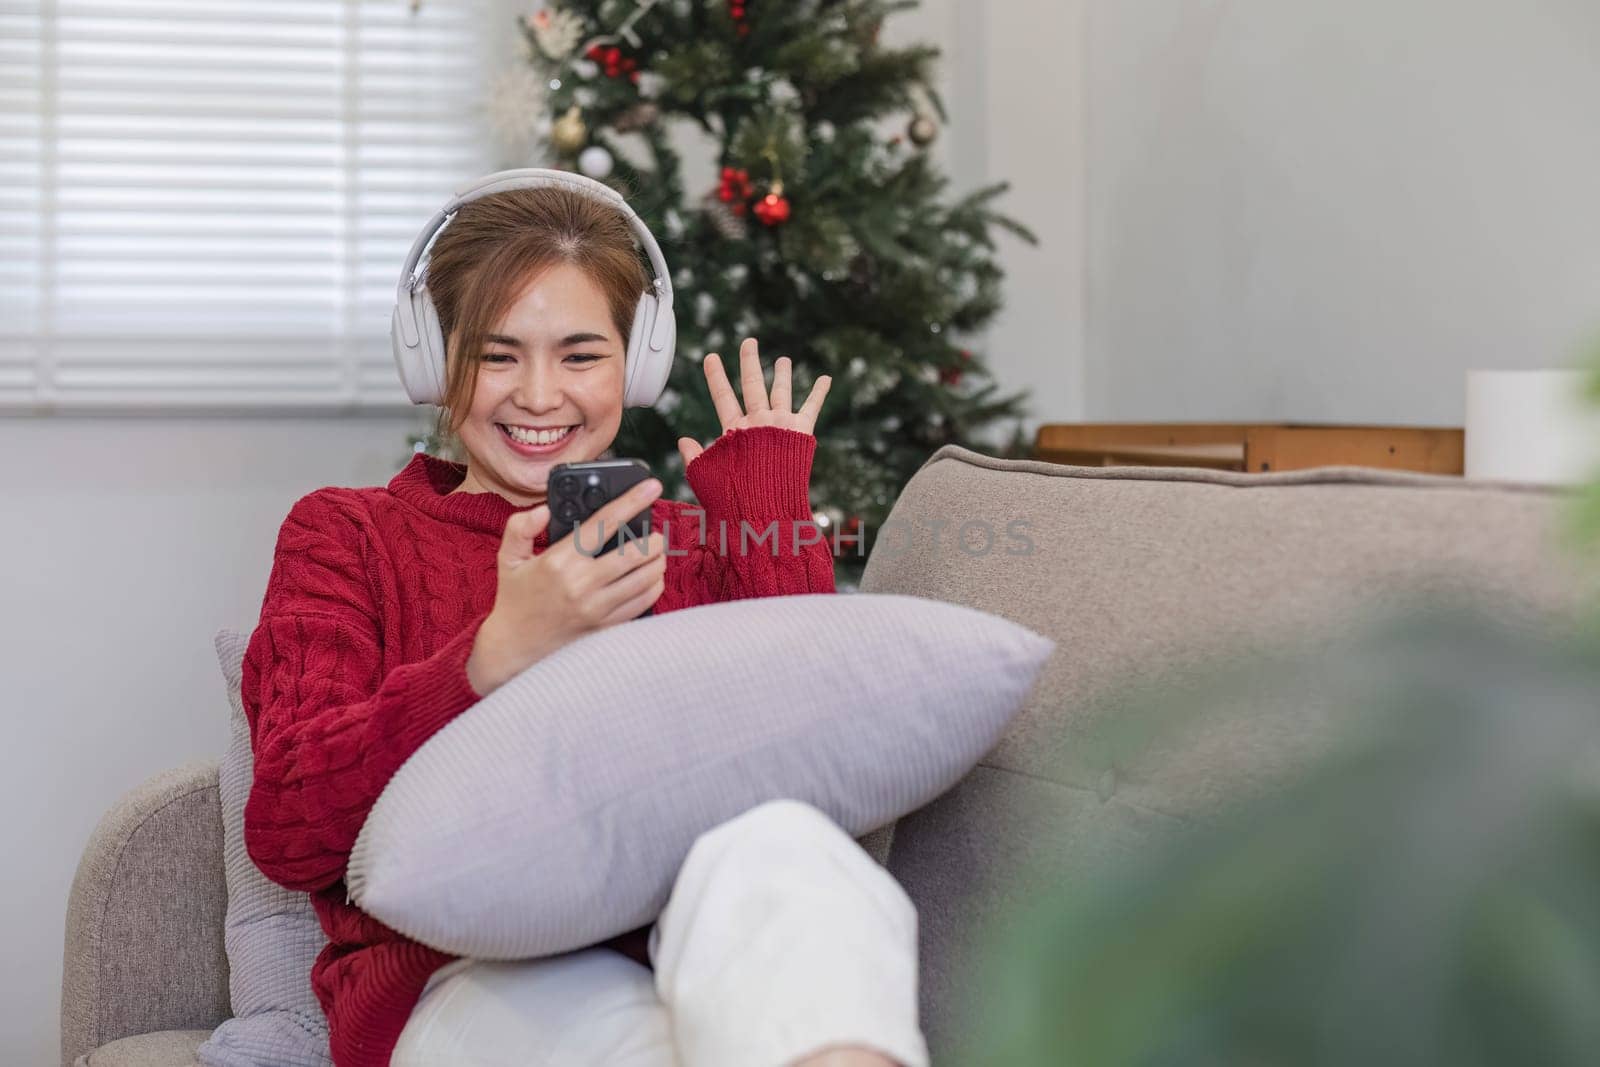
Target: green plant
1587	512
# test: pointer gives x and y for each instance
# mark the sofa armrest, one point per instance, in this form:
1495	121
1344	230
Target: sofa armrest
144	936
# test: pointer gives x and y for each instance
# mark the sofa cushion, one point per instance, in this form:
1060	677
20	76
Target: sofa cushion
1149	574
164	1048
271	933
556	812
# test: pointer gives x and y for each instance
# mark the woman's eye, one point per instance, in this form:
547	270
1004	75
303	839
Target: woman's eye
490	357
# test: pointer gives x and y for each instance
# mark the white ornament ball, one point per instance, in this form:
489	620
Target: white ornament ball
586	68
595	161
783	91
651	84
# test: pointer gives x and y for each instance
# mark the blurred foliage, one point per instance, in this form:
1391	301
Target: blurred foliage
1587	513
1422	891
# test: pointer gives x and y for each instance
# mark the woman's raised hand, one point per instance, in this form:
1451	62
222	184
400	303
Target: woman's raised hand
760	409
545	601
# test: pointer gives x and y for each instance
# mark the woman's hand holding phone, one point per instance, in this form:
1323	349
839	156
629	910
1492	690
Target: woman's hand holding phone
545	601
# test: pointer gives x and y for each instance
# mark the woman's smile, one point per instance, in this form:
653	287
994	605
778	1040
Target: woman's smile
526	442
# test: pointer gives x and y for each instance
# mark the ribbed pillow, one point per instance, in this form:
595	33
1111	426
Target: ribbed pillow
271	934
556	811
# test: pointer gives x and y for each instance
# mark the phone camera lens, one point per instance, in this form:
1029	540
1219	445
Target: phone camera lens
567	484
593	497
567	510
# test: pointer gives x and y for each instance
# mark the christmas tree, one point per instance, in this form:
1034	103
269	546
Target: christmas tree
825	239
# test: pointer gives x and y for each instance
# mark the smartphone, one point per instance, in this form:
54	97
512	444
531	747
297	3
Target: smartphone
578	490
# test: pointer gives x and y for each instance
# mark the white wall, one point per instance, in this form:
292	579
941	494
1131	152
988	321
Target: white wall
1329	211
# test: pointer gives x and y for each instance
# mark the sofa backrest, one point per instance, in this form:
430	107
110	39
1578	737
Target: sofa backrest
1136	573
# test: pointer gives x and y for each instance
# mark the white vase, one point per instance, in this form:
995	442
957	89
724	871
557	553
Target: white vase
1531	426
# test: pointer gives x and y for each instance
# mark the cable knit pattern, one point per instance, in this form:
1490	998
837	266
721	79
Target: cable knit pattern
373	603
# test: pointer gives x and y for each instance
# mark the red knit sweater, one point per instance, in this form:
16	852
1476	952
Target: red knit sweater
370	612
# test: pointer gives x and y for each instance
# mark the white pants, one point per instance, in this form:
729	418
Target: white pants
781	938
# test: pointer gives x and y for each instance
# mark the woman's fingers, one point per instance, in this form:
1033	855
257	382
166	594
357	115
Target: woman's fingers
722	397
813	405
590	534
636	590
752	381
633	555
781	402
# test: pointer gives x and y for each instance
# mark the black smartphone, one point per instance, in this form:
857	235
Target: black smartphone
578	490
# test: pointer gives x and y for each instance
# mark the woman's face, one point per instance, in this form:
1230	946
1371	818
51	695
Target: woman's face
554	361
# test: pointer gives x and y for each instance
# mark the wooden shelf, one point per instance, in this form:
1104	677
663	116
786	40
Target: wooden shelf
1253	447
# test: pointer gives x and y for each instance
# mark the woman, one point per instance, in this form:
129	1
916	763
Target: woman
389	611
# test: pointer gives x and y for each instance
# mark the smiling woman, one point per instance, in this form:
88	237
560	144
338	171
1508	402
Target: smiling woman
391	610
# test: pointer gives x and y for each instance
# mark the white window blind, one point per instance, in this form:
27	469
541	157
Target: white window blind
206	203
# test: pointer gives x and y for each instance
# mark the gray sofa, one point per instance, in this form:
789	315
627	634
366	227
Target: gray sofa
1133	571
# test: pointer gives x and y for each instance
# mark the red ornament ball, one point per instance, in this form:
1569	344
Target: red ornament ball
844	543
772	209
735	184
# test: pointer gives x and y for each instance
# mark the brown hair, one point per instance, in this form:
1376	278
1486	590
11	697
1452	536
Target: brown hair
495	247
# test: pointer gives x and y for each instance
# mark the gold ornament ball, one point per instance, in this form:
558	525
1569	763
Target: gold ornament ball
569	133
922	130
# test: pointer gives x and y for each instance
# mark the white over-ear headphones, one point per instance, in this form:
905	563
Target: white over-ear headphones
419	346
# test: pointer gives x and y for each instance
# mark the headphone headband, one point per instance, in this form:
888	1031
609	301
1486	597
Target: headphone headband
412	273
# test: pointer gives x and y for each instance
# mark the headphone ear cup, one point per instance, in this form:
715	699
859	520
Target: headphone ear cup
668	325
431	343
649	368
404	355
421	382
635	393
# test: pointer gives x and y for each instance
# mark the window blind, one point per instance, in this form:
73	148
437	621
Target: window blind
206	203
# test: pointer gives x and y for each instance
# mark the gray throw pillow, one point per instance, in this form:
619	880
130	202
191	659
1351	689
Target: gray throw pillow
556	812
272	935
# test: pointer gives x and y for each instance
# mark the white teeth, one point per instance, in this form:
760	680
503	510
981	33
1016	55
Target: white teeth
539	437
